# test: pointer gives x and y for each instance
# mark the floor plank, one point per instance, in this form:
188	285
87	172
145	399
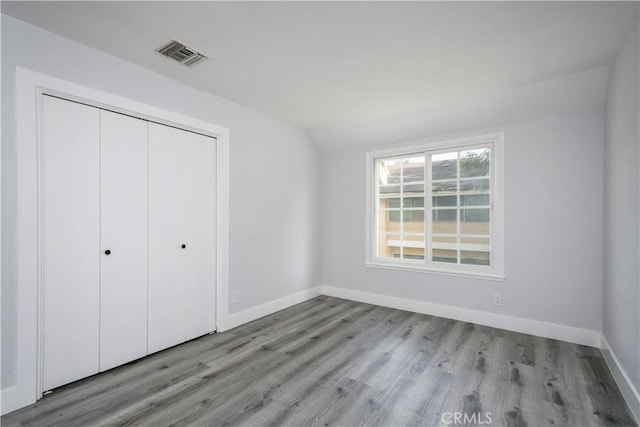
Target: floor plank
330	361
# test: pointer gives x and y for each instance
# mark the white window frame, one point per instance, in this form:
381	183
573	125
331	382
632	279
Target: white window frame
493	272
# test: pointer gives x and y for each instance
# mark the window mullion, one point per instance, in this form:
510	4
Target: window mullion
458	216
401	209
428	202
491	193
376	207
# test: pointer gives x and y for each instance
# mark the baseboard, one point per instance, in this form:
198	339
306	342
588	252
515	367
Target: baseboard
630	393
240	318
501	321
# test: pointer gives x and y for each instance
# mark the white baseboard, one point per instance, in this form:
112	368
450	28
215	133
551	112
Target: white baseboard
240	318
630	393
501	321
516	324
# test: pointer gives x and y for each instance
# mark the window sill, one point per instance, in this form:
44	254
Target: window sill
419	268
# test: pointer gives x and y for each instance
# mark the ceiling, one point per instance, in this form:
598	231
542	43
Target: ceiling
324	66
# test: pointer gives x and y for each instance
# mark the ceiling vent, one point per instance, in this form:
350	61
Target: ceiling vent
182	53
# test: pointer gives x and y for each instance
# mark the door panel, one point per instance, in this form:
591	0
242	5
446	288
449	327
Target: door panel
123	274
201	220
167	167
71	241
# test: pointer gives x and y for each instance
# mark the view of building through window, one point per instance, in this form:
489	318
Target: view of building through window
458	229
401	224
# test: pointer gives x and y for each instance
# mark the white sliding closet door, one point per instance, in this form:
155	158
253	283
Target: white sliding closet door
123	275
71	241
201	220
167	235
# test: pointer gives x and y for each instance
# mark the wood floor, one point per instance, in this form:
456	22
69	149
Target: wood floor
332	362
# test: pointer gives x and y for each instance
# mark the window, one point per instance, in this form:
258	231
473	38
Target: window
437	207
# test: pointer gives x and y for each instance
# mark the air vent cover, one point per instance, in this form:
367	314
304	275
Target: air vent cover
182	53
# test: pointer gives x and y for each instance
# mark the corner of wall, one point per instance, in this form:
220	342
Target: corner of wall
630	393
240	318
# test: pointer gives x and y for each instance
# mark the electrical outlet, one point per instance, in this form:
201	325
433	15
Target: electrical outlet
235	297
497	300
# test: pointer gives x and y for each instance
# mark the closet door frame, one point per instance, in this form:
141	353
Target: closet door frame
30	88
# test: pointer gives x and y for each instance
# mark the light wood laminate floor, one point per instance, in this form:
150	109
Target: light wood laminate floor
330	362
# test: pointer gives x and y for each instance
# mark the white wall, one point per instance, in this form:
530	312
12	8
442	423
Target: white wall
553	227
621	296
274	183
579	91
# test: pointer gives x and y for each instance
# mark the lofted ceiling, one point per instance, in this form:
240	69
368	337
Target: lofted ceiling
324	66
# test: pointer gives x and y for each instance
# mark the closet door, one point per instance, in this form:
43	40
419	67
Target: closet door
167	225
201	220
123	274
71	241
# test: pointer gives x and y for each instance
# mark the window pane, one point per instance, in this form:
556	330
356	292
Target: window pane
475	221
413	214
389	215
445	215
413	169
413	246
413	221
474	215
388	245
400	206
475	250
389	211
479	243
445	187
480	185
413	176
387	190
441	201
444	221
392	202
413	188
413	202
444	256
444	249
474	258
482	228
444	243
475	162
388	171
444	166
389	221
474	200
